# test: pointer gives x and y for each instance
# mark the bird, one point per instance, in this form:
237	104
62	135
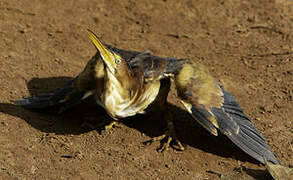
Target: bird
126	83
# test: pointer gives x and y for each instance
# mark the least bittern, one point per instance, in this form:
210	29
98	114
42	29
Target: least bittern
125	83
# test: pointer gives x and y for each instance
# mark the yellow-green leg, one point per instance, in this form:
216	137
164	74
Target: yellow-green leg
169	133
102	125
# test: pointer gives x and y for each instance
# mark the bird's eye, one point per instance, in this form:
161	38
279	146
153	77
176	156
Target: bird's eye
118	61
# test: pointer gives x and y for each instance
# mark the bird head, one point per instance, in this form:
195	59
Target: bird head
117	68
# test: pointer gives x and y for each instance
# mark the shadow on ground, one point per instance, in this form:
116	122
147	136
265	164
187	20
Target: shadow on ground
70	122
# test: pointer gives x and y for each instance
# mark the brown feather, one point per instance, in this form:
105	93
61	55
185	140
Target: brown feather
199	93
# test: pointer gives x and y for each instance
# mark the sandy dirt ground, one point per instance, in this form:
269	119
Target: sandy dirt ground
247	45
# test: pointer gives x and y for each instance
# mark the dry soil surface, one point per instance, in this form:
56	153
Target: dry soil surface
247	45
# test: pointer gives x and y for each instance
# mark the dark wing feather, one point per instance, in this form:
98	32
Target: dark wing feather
72	93
216	109
66	96
240	130
46	99
203	118
35	102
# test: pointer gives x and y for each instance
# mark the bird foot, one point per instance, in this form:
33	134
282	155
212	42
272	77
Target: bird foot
103	126
111	125
172	140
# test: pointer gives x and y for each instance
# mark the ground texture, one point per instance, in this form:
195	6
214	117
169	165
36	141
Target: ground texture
247	45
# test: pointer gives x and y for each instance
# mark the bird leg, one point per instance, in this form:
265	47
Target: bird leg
170	135
111	125
103	126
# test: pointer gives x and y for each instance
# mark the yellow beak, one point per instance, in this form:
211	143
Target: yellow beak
107	56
